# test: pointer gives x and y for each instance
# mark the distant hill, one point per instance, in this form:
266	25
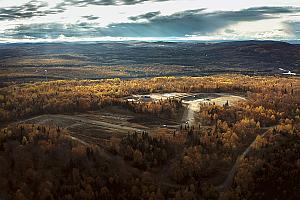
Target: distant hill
178	58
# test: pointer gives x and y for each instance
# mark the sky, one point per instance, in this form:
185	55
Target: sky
101	20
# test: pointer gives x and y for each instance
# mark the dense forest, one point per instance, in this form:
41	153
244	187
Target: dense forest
257	139
23	100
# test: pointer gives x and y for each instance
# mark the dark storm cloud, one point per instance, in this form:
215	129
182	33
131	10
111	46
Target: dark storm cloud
176	25
27	10
148	16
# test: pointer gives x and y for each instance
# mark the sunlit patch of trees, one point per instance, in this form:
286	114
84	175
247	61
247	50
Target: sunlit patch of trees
167	108
207	149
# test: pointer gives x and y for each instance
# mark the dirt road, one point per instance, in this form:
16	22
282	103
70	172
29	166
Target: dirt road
229	179
193	105
189	113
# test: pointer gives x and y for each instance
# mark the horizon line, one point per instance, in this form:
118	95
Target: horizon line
139	39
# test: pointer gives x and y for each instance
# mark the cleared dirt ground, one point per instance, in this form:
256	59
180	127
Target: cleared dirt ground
102	126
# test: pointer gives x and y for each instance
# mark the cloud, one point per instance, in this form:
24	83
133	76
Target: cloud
52	30
40	8
28	10
148	16
83	3
181	24
293	27
90	17
193	22
256	13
